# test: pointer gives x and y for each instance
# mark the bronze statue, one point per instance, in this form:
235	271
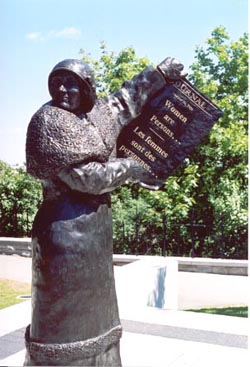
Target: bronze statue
71	148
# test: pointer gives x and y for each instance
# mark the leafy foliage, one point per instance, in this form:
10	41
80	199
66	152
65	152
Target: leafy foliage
111	70
20	195
202	208
221	72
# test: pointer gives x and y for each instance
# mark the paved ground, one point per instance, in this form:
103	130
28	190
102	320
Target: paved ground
195	289
152	337
16	268
202	290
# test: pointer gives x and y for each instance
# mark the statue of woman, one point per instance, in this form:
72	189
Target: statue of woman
69	147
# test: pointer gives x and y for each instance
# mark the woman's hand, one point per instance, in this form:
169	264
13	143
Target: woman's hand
171	69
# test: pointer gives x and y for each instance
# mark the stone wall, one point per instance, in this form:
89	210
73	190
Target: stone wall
22	247
15	246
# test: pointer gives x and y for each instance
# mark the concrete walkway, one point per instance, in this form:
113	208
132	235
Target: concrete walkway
152	336
195	290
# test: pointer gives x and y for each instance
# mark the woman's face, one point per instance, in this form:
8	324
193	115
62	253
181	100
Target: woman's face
65	91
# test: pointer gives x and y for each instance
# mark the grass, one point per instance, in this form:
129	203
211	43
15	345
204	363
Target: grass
240	311
10	290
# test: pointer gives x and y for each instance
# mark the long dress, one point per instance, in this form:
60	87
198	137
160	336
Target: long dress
75	319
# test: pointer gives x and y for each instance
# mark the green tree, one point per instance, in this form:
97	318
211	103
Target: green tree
205	201
20	195
112	69
138	213
221	72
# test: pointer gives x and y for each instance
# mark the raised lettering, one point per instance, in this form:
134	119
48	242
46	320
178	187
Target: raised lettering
168	103
169	120
174	110
156	147
137	146
150	156
192	95
164	128
139	132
